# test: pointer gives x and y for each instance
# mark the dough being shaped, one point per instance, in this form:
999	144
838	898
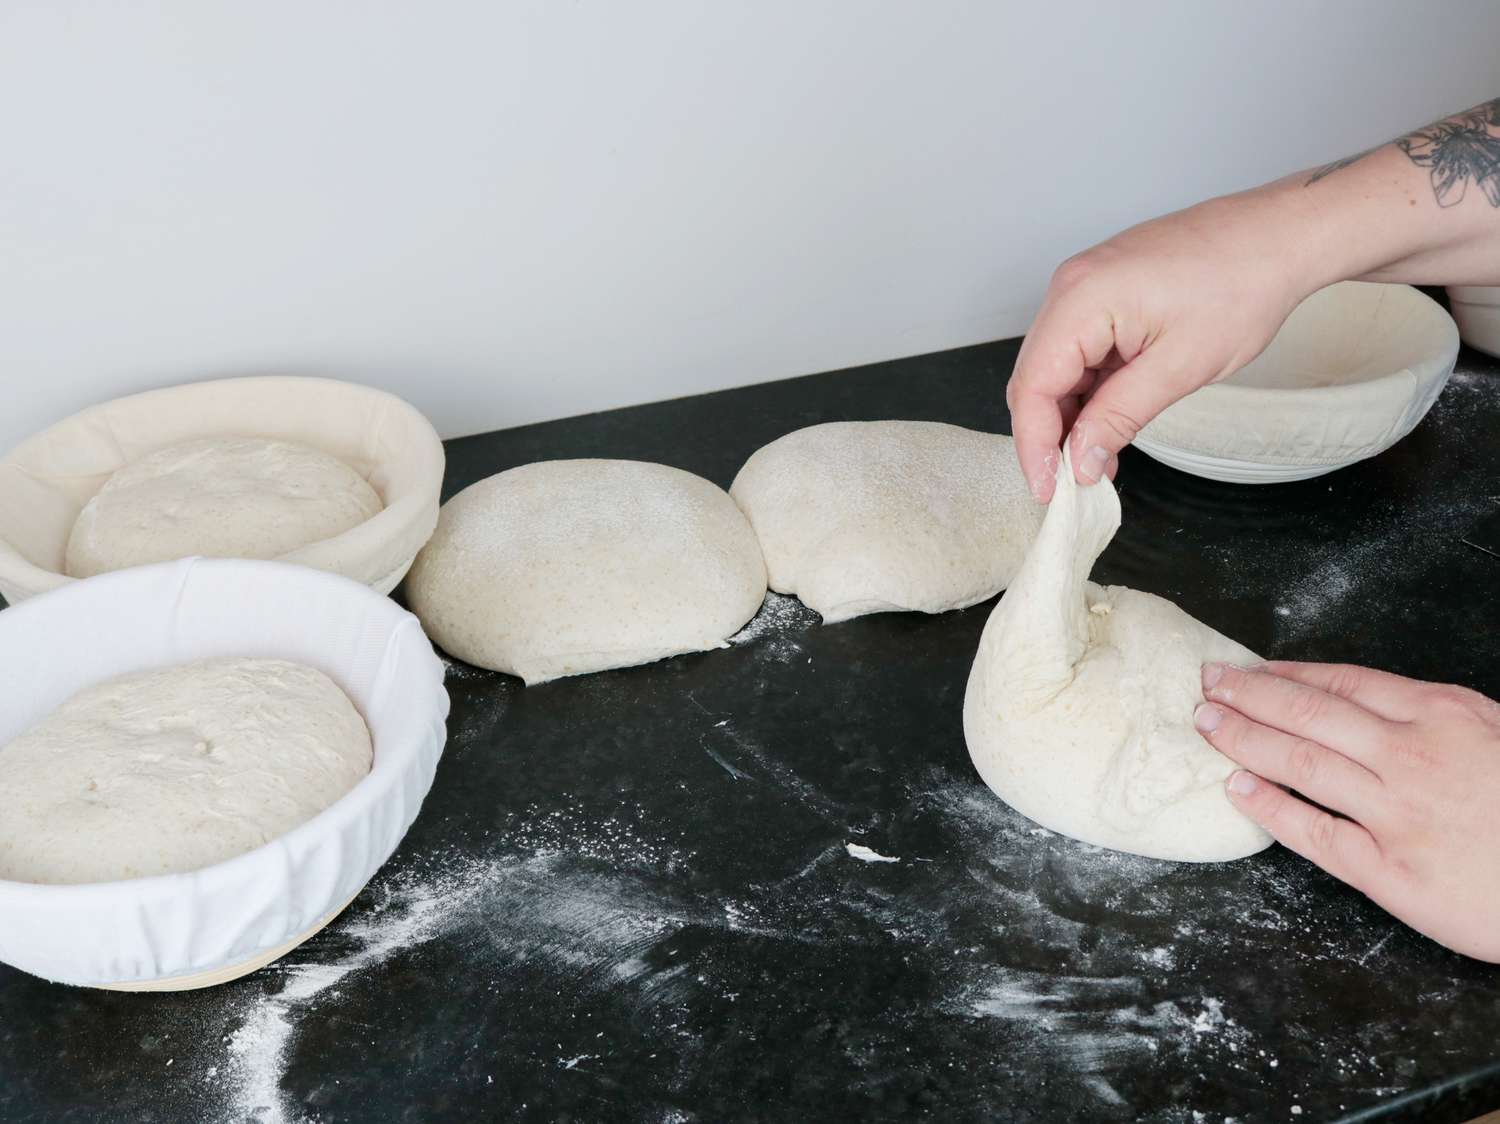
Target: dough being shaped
870	517
1079	711
566	567
173	770
220	497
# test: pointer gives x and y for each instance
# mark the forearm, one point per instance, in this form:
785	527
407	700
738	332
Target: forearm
1423	209
1137	322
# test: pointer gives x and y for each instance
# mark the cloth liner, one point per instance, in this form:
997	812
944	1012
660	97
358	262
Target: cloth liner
1353	370
46	480
174	612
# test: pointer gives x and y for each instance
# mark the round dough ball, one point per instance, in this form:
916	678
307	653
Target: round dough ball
220	497
1079	710
566	567
173	770
869	517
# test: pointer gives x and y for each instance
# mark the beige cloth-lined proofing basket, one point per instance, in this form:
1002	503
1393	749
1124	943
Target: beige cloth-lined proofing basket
47	479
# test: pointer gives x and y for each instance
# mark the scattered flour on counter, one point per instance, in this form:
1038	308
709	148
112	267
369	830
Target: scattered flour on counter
622	839
1101	1023
1393	545
594	928
1467	389
581	896
413	912
774	628
599	928
1394	548
457	671
1093	1025
1128	996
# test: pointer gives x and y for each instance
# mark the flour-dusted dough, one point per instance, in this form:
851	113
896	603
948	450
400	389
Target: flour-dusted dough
1079	711
221	497
868	517
173	770
566	567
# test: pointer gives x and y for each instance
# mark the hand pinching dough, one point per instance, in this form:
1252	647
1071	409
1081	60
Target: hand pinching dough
220	497
869	517
1079	711
566	567
166	771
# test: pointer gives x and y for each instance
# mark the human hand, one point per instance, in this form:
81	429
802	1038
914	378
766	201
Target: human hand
1411	768
1141	320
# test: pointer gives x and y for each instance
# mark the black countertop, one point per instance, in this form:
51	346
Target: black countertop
631	895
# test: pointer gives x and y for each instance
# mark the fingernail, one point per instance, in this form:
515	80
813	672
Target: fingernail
1094	462
1242	783
1047	476
1207	718
1212	673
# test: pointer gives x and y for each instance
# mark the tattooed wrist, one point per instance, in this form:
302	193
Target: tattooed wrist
1459	152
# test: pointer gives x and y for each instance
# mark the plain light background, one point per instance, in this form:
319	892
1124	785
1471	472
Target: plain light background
507	211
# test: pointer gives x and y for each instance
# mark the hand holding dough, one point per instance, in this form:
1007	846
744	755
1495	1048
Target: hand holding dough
1079	711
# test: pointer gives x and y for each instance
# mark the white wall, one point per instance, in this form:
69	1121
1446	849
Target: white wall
515	210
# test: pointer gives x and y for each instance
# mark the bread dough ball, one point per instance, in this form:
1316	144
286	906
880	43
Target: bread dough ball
173	770
869	517
220	497
1079	712
566	567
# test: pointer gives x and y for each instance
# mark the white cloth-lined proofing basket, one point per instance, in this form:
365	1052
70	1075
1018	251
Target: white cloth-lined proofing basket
225	914
46	480
1352	371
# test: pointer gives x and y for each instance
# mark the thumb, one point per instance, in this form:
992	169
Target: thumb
1122	404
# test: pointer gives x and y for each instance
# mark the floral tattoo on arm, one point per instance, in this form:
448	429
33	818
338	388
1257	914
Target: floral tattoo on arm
1459	152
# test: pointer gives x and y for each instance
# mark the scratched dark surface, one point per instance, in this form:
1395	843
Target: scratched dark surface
631	895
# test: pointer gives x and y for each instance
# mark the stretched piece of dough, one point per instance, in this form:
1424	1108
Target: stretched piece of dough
870	517
566	567
1079	711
